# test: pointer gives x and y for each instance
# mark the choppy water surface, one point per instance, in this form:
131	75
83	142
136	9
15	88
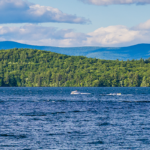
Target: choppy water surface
52	118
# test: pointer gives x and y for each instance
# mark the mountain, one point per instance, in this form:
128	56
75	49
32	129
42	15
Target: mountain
108	53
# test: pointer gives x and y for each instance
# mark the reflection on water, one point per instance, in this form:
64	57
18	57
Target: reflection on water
52	118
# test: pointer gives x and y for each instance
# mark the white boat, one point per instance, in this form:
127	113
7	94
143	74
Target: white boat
75	92
114	94
118	93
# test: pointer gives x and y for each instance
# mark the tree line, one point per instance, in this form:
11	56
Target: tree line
36	68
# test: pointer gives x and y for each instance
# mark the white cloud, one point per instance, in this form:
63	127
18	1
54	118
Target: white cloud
38	35
14	5
111	2
111	36
143	26
19	11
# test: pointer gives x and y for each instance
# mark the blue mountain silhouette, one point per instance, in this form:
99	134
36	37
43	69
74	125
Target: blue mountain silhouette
109	53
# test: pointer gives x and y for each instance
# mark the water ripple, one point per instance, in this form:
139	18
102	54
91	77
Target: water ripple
52	118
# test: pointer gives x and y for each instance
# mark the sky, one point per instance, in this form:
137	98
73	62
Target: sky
75	23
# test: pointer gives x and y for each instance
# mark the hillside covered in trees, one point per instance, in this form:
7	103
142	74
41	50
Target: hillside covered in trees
35	68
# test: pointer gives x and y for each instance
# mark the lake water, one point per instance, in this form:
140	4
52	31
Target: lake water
52	118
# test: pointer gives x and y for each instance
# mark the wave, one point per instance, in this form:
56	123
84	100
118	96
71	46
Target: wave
14	136
96	142
134	101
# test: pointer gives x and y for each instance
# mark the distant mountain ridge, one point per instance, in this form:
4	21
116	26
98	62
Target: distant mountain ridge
109	53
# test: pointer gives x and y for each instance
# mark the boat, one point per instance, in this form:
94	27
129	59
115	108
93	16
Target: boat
114	94
75	92
118	93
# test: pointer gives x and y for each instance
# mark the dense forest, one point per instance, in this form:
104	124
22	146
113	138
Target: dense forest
35	68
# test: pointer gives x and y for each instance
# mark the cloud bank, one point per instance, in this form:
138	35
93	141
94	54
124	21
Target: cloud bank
39	35
111	2
19	11
111	36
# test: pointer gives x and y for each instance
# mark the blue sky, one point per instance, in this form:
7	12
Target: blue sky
69	23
